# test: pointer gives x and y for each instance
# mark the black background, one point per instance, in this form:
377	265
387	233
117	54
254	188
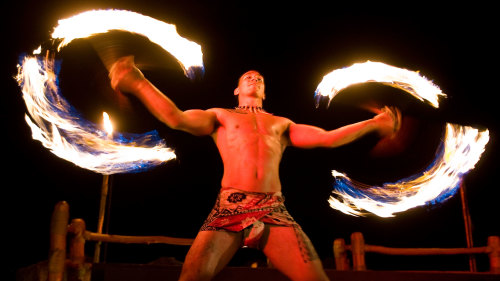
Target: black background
293	46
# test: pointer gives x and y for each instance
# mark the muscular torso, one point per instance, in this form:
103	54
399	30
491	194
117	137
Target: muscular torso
251	146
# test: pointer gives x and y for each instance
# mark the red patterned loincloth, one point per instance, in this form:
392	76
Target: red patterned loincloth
243	211
237	209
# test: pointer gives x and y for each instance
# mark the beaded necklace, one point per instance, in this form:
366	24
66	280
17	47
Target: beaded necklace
253	109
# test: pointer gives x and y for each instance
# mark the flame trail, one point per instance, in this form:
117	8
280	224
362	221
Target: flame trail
86	24
61	129
409	81
459	152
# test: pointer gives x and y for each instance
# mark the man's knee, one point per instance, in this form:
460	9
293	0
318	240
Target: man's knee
210	252
313	273
194	274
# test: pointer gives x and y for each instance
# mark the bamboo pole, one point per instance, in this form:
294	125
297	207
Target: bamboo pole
340	254
425	251
102	211
107	218
58	232
77	242
468	226
137	239
494	254
358	251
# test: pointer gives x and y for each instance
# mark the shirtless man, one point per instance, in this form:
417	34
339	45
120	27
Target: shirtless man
251	143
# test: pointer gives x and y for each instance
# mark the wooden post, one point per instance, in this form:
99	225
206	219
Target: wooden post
102	211
494	254
358	251
77	242
340	254
58	232
468	227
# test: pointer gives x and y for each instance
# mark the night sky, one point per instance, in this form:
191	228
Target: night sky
293	46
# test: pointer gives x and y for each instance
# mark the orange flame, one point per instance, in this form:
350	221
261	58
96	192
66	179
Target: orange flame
463	147
409	81
89	23
50	116
108	126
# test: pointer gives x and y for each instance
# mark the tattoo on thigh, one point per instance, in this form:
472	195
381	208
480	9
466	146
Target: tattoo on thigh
306	247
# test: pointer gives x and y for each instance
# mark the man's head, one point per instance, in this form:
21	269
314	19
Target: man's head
251	84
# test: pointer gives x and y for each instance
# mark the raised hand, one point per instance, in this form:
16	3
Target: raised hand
388	120
124	75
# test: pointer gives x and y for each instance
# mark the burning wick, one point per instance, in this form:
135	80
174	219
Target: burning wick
108	126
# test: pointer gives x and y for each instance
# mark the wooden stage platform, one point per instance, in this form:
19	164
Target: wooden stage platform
147	272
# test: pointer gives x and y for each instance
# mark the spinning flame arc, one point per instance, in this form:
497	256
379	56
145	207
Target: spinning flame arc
61	129
459	152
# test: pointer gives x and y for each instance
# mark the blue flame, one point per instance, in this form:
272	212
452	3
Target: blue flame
357	190
77	137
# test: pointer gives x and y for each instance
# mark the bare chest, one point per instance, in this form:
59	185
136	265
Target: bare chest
253	125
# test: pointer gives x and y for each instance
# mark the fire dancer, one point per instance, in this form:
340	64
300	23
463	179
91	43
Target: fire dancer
249	209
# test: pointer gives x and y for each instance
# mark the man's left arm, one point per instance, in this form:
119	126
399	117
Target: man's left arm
305	136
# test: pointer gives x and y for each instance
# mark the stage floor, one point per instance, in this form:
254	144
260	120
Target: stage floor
146	272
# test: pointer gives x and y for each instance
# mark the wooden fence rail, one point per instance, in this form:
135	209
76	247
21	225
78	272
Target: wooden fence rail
74	234
358	248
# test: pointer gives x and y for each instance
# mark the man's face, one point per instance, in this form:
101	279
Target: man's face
251	83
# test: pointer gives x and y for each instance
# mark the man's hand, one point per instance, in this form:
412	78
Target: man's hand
389	120
124	75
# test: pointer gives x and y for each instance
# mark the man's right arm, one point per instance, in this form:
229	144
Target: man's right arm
126	77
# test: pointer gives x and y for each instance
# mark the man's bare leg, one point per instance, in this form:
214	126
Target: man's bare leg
292	253
210	252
